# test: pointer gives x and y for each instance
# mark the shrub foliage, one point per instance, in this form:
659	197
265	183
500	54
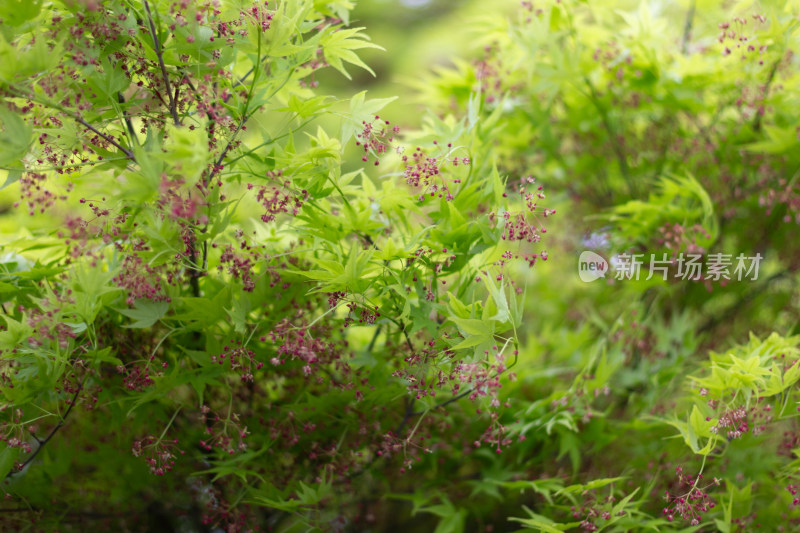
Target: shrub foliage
234	302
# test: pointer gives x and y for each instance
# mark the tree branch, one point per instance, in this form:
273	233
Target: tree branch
127	119
106	137
731	311
615	145
173	107
374	338
73	115
687	28
50	435
446	402
767	85
405	334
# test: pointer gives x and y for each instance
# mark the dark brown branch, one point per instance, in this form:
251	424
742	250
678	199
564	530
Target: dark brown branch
173	107
732	310
72	515
127	119
408	339
194	282
238	82
772	72
217	168
612	137
177	94
374	338
75	116
406	416
218	165
409	412
446	402
687	28
35	437
43	442
106	137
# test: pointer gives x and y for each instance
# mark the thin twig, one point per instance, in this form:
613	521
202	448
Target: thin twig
221	158
64	167
772	72
107	138
446	402
72	515
127	119
687	28
238	82
731	311
405	333
73	115
409	412
615	145
406	416
50	435
173	108
195	273
35	437
374	338
245	116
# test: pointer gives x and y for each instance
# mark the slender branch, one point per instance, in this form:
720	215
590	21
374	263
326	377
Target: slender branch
127	119
687	28
767	85
177	94
221	158
64	167
731	311
405	333
106	137
406	416
238	82
616	146
374	338
446	402
409	413
73	115
73	515
173	108
50	435
35	437
194	272
245	116
471	389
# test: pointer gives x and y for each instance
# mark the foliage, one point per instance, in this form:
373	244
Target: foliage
226	304
670	132
234	300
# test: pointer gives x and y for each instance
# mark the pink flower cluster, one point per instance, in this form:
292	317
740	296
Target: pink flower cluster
139	280
376	139
158	453
427	172
688	500
226	434
240	359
